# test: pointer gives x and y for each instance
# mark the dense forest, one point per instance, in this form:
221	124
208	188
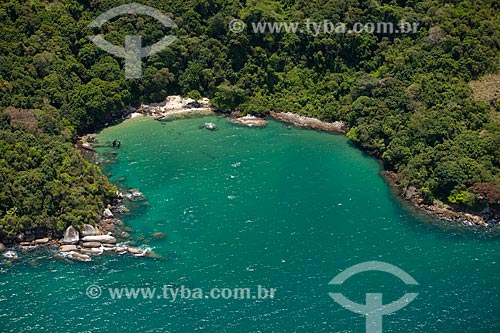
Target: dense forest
405	97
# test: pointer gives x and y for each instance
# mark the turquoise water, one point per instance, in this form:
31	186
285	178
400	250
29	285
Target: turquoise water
278	207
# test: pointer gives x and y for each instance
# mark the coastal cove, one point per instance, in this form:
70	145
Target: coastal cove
278	206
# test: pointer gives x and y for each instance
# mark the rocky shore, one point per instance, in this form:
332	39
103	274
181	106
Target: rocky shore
249	121
307	122
92	241
439	209
109	236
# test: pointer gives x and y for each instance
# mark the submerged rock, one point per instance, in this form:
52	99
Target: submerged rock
79	256
124	234
71	236
11	255
158	235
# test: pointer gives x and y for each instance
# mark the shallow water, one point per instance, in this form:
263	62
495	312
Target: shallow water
279	207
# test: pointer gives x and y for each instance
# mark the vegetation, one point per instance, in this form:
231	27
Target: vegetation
404	96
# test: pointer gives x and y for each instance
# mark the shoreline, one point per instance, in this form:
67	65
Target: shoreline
177	107
310	123
439	211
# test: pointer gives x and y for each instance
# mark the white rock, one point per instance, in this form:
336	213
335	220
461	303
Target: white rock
89	230
11	255
101	239
107	213
71	236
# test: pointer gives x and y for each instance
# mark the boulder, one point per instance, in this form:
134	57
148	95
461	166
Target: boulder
67	248
120	250
71	236
2	247
107	213
42	241
101	239
79	256
89	230
11	255
135	251
91	244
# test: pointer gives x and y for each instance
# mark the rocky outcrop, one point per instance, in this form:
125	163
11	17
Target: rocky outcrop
437	208
249	121
71	236
446	212
107	213
308	122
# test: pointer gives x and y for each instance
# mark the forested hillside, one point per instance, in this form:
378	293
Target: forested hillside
404	96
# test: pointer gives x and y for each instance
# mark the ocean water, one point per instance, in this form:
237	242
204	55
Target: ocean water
278	207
